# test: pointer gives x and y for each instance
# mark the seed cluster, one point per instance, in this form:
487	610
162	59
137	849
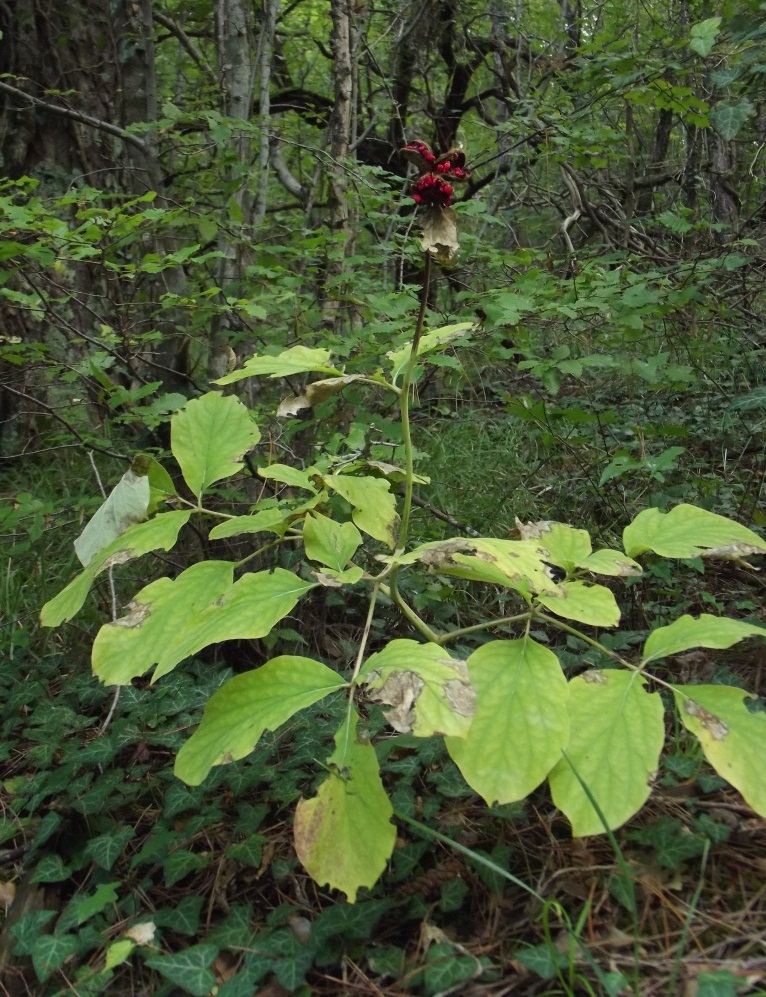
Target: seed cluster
432	187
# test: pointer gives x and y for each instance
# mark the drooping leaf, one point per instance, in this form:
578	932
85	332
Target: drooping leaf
440	233
295	477
591	604
431	341
314	393
687	531
517	564
521	722
428	691
243	708
330	543
209	437
617	733
171	619
610	562
264	521
733	738
344	836
159	533
373	505
126	505
296	360
687	632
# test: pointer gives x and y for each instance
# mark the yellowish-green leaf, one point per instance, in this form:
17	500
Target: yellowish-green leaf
159	533
732	736
566	547
209	437
707	631
521	722
687	531
314	393
373	506
171	619
428	691
264	521
295	477
611	562
617	733
592	604
434	340
249	704
332	544
344	836
296	360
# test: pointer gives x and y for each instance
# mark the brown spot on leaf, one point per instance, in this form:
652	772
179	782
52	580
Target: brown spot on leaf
712	724
137	613
401	691
596	677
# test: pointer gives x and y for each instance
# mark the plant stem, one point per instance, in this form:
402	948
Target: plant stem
406	610
462	631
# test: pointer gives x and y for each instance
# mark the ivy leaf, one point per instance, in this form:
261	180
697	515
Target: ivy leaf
429	692
617	733
373	505
521	722
686	632
729	116
51	951
591	604
686	532
330	543
126	505
188	969
169	620
344	836
244	707
159	533
296	360
733	738
209	437
703	35
85	907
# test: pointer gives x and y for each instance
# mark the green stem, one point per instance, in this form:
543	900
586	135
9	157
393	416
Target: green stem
504	621
406	610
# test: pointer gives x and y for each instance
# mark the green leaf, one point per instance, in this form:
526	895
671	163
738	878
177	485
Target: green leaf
703	35
51	869
611	562
188	969
265	521
86	907
296	360
159	533
126	505
428	691
686	632
330	543
344	836
373	505
118	953
288	475
181	863
247	705
617	733
105	849
565	546
586	603
170	620
687	531
51	951
516	564
521	722
28	929
729	116
428	343
733	738
209	437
